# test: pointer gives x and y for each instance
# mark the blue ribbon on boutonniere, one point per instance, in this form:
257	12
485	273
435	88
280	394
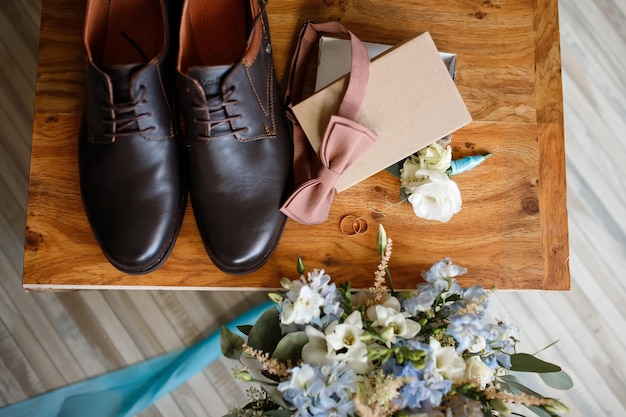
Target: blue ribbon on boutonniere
457	166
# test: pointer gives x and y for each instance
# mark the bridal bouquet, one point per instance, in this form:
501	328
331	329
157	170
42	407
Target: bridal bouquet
325	350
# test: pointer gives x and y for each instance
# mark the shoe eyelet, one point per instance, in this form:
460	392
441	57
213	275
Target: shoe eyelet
268	48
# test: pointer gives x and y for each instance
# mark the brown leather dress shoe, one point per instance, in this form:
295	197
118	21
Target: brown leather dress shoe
239	143
131	158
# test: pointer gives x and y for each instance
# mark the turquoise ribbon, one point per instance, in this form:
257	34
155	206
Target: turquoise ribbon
127	391
468	163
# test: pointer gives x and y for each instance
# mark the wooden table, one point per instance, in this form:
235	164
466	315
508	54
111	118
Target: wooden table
511	232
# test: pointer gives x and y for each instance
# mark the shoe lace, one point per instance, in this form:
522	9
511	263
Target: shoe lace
125	119
216	110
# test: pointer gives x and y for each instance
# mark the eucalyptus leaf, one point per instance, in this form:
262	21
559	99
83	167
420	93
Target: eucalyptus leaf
547	347
276	396
504	385
245	329
512	385
266	333
230	344
559	380
516	386
395	168
541	412
524	362
403	194
278	413
289	349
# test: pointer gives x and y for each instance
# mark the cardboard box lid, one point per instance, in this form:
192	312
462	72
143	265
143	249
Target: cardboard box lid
334	59
411	102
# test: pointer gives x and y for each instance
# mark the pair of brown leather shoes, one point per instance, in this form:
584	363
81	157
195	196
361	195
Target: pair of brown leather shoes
135	172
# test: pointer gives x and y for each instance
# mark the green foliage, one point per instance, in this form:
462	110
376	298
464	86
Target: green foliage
541	412
289	348
381	240
511	384
261	405
275	396
558	380
245	329
231	344
265	336
300	266
346	298
401	354
524	362
253	412
266	333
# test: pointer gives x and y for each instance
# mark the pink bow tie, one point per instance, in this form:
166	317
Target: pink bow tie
344	140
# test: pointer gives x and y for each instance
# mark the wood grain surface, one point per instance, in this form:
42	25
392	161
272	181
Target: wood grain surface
511	233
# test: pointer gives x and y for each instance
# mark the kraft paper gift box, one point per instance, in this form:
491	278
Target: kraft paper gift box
334	59
411	101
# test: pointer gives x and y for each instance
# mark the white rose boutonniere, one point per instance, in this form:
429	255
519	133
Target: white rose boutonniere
426	181
433	195
435	157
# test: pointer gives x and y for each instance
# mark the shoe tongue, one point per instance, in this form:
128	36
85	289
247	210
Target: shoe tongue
210	78
120	79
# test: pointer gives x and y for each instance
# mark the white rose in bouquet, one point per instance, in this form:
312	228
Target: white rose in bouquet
447	362
476	370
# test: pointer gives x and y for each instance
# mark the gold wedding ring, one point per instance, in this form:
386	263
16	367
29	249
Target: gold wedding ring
363	226
351	225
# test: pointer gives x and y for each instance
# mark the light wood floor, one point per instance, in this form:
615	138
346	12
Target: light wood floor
51	340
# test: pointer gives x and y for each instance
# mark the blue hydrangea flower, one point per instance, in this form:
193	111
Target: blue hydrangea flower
425	387
443	270
500	340
501	336
422	301
441	277
477	296
306	299
320	283
490	359
465	329
321	391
